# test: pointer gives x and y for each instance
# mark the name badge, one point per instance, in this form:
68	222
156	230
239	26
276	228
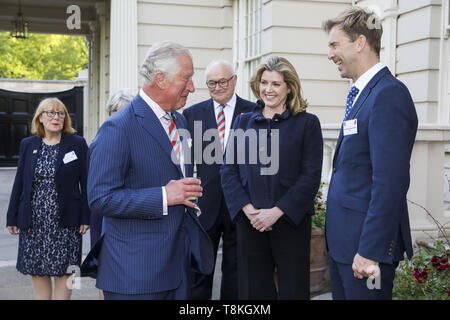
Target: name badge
350	127
69	157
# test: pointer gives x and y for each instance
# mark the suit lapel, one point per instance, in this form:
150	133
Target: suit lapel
238	109
148	120
34	150
63	149
359	103
211	122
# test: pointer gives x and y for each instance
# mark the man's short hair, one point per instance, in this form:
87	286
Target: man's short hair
118	100
214	63
357	21
163	57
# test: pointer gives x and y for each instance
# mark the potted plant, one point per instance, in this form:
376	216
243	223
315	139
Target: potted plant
318	254
427	275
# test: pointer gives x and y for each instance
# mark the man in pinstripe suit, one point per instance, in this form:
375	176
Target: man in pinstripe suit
139	181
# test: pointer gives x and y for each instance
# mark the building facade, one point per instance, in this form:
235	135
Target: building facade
415	47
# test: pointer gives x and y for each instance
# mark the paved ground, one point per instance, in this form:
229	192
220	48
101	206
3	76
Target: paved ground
15	286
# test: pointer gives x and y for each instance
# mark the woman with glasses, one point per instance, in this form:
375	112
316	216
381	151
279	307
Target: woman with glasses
48	202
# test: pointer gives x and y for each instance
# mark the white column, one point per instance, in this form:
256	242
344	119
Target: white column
123	46
94	76
103	67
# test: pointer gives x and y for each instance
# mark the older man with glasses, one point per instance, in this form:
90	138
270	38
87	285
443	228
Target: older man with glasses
217	113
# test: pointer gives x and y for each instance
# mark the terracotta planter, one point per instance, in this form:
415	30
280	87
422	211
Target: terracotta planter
318	260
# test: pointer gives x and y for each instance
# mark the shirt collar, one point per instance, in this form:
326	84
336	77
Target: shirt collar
159	112
258	116
367	76
231	103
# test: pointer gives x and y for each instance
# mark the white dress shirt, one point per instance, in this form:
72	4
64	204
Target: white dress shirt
160	113
363	80
228	111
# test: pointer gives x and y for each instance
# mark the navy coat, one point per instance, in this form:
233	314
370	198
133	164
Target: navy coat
70	179
210	202
367	211
294	186
142	251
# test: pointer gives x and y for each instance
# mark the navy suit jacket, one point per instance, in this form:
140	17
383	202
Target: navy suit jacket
70	182
294	187
142	250
367	211
211	200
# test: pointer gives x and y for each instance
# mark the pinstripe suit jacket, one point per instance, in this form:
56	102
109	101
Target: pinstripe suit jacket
142	251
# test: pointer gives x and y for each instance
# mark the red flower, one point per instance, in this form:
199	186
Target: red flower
319	207
448	292
424	274
444	260
434	259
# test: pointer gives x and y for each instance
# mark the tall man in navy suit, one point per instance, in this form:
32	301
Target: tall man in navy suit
367	224
216	115
139	181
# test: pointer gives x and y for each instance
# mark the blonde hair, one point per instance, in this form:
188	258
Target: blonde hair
37	128
357	21
294	101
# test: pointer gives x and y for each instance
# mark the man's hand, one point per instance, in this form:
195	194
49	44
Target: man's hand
250	211
364	268
178	191
266	219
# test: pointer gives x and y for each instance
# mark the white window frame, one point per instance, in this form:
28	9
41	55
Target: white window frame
247	43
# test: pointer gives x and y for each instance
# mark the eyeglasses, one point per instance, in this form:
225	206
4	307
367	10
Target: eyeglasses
52	114
223	83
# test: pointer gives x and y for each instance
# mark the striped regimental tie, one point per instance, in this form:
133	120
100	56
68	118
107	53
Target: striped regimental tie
221	125
173	135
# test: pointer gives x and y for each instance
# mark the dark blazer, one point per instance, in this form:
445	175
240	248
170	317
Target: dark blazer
210	202
70	182
367	211
142	250
293	187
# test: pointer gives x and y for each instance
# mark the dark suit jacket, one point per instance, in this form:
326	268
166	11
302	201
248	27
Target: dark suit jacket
295	185
211	200
142	250
70	182
366	209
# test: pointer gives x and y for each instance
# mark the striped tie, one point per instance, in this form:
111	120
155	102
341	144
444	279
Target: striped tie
173	135
221	125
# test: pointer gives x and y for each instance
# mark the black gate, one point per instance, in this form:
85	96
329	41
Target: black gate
17	110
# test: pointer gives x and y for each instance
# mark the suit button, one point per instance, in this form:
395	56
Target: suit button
334	170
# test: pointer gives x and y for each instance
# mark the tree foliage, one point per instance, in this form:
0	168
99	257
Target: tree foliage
42	56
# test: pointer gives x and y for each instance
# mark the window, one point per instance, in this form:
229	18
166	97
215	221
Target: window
247	44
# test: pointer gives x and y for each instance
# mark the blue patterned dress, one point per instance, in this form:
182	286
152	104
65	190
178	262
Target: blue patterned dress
46	249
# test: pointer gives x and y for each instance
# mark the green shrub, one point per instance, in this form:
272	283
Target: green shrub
426	276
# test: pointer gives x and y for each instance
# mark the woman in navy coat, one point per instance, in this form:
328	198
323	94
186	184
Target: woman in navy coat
48	201
272	203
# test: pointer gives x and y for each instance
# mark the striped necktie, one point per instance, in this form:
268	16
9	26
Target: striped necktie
173	135
221	125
